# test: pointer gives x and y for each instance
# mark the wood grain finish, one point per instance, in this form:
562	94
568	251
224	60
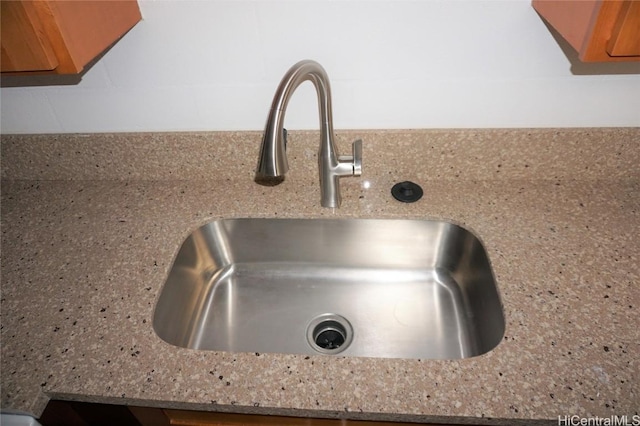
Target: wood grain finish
625	37
24	43
196	418
599	30
61	37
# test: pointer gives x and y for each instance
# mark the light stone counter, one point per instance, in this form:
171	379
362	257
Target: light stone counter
90	225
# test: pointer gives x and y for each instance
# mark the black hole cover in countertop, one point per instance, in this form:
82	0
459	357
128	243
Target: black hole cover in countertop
407	192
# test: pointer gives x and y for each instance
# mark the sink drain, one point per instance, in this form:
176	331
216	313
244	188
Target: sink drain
329	334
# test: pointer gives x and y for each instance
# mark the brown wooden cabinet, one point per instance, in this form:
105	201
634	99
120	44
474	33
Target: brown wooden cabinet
195	418
70	413
58	36
599	30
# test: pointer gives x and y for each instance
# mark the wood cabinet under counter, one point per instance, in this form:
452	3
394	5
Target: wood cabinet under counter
65	413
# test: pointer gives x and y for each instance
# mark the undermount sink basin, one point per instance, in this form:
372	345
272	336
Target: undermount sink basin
354	287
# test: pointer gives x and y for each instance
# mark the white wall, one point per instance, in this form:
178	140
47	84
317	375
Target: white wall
214	65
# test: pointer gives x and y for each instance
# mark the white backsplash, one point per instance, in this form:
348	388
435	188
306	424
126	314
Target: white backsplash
214	65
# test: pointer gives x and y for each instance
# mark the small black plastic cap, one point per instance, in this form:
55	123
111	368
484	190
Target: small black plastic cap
407	192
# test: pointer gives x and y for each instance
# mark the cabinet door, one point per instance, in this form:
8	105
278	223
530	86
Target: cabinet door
61	36
195	418
25	46
625	38
599	30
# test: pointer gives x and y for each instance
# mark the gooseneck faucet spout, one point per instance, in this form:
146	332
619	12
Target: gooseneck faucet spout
272	162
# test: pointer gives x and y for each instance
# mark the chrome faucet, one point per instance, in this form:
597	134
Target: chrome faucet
272	162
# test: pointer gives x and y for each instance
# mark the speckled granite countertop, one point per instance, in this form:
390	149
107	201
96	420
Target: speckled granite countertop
90	225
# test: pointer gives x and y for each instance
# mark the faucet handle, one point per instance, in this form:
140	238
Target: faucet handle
353	162
357	157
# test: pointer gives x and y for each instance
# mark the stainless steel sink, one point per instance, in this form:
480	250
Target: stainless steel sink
354	287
